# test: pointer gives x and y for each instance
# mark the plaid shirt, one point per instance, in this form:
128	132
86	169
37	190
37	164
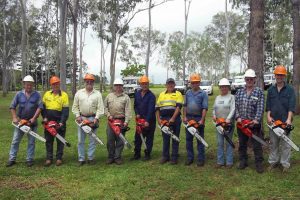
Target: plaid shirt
249	107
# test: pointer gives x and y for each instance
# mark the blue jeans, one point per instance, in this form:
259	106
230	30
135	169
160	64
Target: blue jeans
166	141
190	148
15	145
81	144
229	149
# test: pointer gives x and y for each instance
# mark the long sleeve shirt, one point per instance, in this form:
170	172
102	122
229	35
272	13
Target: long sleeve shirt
88	104
118	106
145	106
249	107
224	107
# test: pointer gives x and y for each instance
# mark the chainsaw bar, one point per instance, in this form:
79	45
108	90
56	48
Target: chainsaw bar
26	129
89	131
167	131
221	130
194	132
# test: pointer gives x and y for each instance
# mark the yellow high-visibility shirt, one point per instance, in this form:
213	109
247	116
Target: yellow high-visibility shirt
55	101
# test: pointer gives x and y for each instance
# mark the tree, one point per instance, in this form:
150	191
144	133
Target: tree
62	4
133	70
24	37
186	15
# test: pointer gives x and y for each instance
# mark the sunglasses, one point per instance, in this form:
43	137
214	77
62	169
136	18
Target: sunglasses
249	79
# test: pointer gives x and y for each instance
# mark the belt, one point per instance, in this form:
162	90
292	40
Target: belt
93	115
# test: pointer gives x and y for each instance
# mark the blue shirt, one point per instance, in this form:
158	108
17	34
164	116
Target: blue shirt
194	103
145	106
281	103
249	107
26	106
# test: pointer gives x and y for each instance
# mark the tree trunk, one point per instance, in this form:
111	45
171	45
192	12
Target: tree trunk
24	38
186	15
81	45
4	70
296	50
149	40
226	65
256	40
62	42
75	23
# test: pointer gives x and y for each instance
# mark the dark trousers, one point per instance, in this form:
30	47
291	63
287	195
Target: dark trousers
148	134
49	144
200	146
257	148
166	141
115	145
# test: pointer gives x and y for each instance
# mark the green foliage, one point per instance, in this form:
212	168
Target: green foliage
133	70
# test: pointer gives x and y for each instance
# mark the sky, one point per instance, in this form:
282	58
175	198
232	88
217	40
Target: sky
168	18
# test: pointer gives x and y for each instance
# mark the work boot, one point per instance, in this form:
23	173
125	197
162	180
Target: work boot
10	163
188	162
48	163
285	169
200	163
110	161
81	163
173	162
147	156
119	161
91	162
164	160
218	166
29	163
136	157
273	166
243	164
259	168
58	162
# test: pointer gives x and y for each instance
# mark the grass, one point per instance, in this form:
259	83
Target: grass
138	179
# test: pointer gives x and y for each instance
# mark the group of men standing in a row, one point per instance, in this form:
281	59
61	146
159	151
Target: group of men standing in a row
248	103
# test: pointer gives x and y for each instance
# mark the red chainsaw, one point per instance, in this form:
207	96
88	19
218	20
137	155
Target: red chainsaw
117	125
140	125
51	127
244	127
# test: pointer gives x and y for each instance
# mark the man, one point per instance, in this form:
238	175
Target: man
88	104
117	106
249	105
29	106
56	108
280	105
195	108
168	108
144	107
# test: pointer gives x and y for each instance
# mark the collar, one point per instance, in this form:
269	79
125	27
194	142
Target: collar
166	92
23	91
59	92
118	95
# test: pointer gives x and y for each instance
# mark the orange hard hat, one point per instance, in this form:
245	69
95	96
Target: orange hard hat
54	79
89	77
144	79
195	78
280	69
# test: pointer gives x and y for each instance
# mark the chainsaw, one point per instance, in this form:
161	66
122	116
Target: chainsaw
282	130
140	125
87	127
244	127
51	127
224	128
192	127
165	128
24	126
118	128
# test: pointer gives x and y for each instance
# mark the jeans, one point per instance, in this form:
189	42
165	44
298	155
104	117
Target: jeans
49	144
279	151
115	145
221	150
18	134
257	148
175	145
200	146
81	144
148	134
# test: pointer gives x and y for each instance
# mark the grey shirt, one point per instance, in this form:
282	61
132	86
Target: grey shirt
224	107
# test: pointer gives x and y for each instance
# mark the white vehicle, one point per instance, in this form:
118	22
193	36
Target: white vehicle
131	85
237	83
269	80
179	86
207	86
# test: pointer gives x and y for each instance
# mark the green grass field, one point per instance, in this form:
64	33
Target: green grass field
139	179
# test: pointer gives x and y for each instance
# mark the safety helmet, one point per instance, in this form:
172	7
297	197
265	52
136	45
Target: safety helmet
195	78
118	81
224	81
144	79
250	73
54	79
28	78
89	77
280	69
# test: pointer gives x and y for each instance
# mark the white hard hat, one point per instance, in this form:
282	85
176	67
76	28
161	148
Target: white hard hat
224	81
118	81
250	73
28	78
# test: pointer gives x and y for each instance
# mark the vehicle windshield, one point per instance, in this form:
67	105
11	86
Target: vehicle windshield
130	81
238	80
179	82
268	77
205	83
